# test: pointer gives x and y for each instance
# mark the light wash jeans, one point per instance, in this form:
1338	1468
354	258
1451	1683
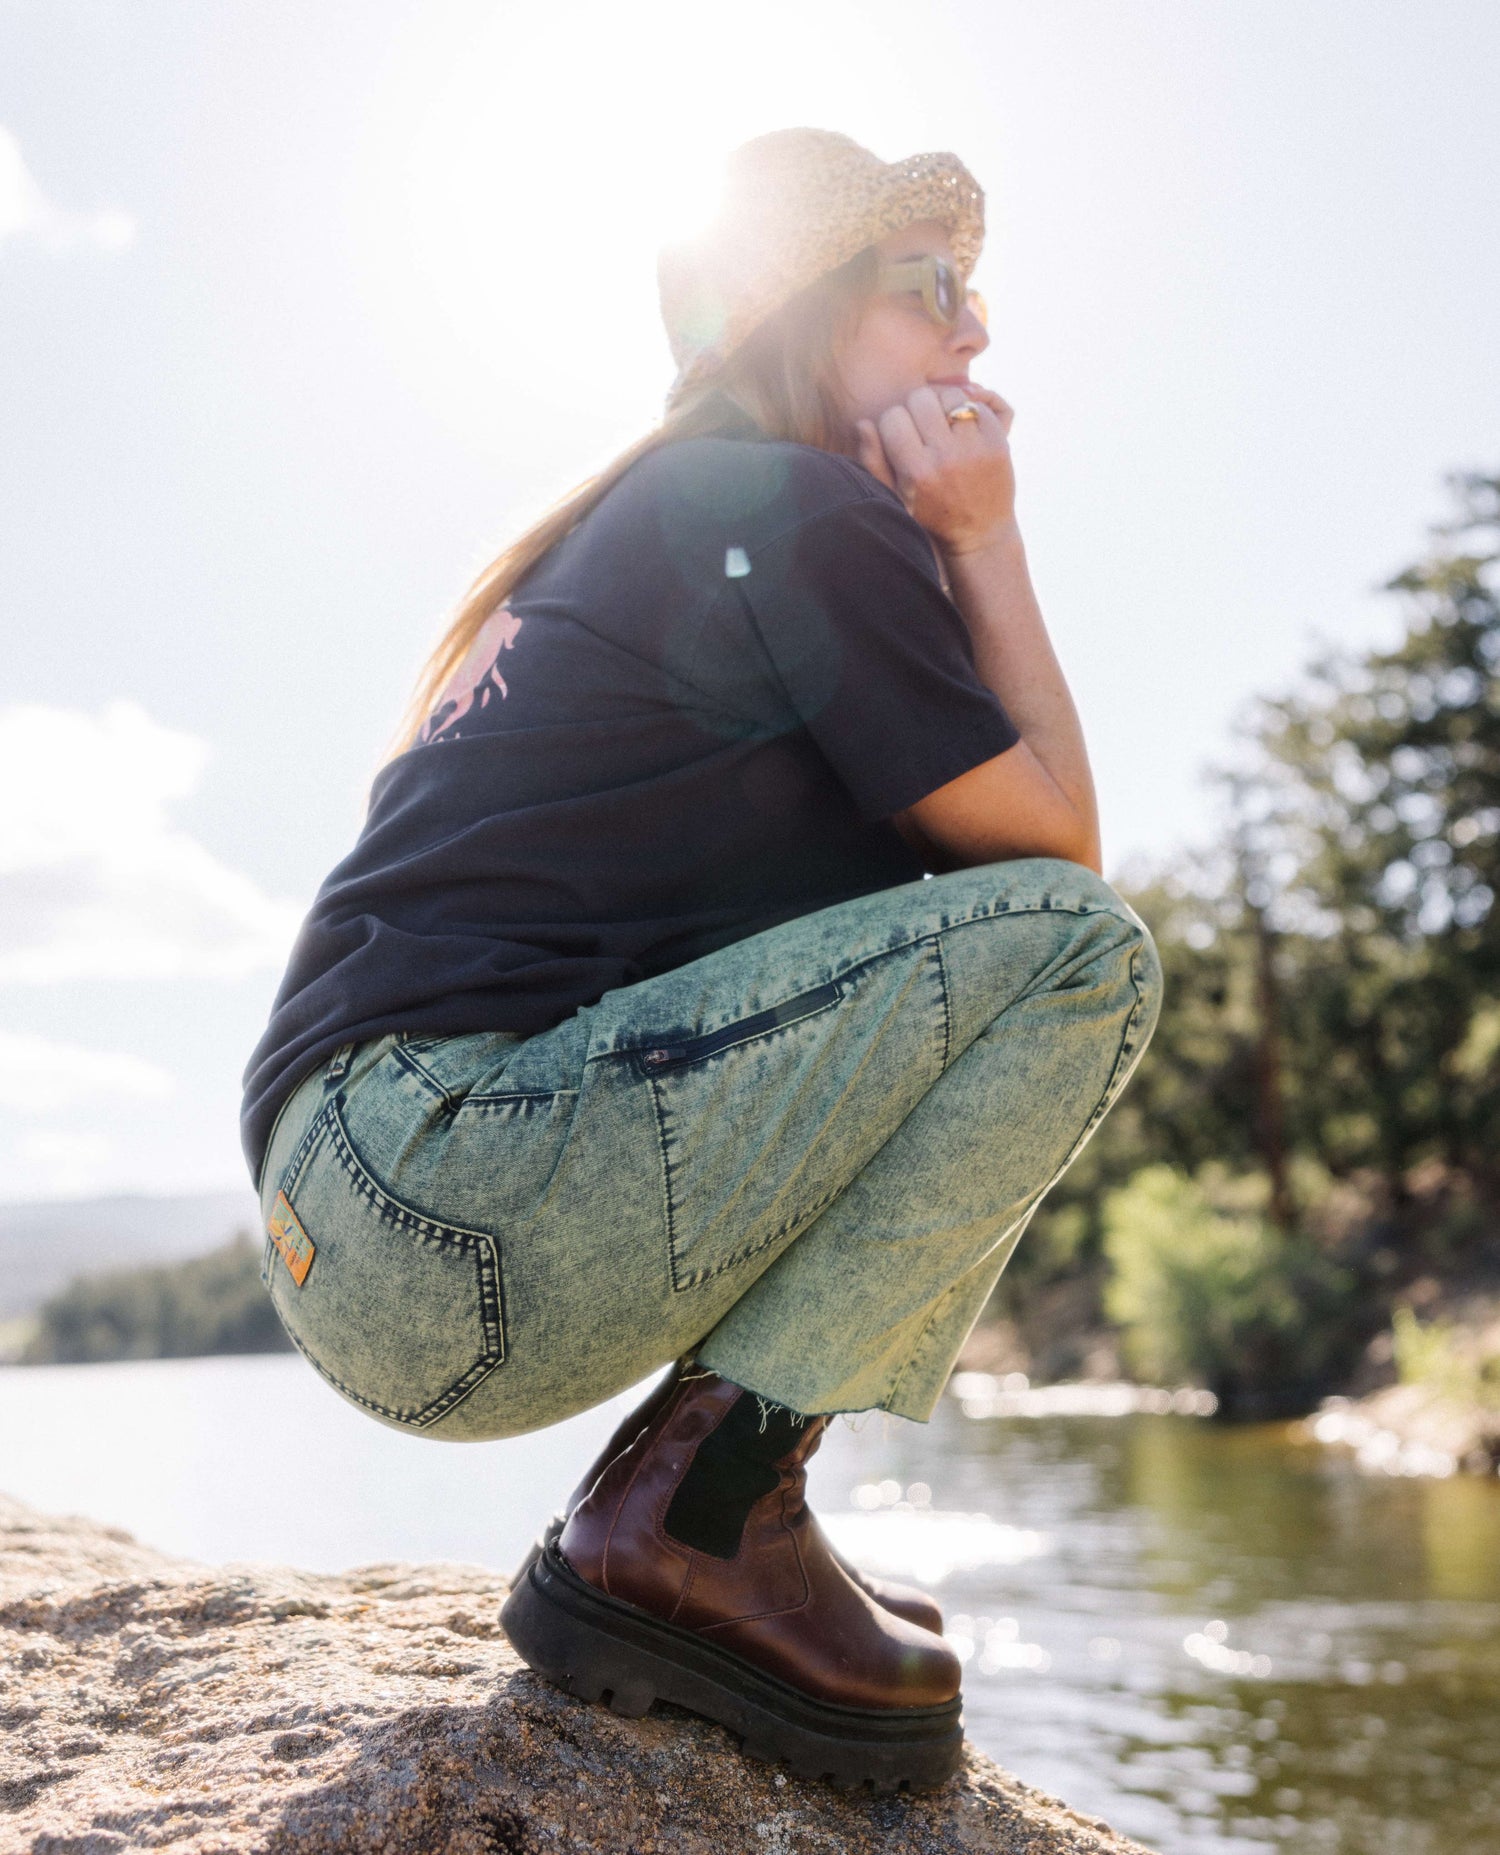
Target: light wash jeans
805	1159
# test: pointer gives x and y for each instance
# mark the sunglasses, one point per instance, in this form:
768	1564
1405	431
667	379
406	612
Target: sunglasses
944	293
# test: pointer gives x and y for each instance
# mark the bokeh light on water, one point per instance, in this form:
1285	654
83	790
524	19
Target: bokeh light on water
1221	1640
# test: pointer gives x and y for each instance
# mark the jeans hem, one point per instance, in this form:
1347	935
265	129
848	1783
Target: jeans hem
817	1405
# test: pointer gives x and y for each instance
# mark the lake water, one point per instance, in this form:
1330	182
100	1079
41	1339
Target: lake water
1220	1640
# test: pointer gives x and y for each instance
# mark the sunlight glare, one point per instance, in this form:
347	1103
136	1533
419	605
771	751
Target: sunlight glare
520	182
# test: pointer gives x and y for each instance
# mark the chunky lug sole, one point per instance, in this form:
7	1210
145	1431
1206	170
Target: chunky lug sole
548	1533
603	1649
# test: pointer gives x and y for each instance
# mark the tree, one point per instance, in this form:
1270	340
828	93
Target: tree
1380	789
1331	1021
208	1304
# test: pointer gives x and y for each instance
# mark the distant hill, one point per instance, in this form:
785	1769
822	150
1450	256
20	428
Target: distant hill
44	1246
184	1309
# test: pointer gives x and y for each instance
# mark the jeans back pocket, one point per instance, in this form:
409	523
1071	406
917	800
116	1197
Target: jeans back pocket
402	1314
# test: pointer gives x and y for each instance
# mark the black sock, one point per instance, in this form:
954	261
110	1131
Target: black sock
730	1472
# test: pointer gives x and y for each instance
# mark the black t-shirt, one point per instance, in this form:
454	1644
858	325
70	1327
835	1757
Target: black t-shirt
691	721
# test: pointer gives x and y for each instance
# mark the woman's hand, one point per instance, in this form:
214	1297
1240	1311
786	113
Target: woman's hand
957	480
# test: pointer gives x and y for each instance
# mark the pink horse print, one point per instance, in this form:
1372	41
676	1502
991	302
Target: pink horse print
476	679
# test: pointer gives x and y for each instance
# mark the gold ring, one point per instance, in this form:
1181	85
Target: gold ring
965	412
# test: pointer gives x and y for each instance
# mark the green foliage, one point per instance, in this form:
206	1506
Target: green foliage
1208	1290
1330	1033
210	1304
1336	956
1445	1362
1376	800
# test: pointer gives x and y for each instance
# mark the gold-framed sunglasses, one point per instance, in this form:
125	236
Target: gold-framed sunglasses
944	293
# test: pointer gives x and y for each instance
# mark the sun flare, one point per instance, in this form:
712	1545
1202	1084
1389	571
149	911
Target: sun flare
517	192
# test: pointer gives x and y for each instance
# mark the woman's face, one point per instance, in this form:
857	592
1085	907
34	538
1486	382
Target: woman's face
895	346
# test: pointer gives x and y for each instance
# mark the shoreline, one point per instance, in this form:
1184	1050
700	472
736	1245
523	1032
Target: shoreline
1399	1430
1409	1430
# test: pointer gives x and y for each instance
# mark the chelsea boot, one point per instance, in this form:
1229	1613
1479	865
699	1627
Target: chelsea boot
756	1625
902	1600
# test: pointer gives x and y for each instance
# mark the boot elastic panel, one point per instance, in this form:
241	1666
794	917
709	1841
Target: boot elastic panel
732	1468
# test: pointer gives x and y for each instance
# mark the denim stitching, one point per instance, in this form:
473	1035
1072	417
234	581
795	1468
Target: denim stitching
482	1246
456	1101
890	1397
668	1217
1117	1080
316	1128
985	912
419	1420
942	960
1119	1075
802	1218
1043	982
390	1210
697	1278
287	1099
679	1282
754	1031
424	1077
807	1214
499	1100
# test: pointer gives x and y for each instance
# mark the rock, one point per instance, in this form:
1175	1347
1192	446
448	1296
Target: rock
1429	1423
149	1702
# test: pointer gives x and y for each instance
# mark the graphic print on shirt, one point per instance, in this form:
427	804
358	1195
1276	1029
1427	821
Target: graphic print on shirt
475	680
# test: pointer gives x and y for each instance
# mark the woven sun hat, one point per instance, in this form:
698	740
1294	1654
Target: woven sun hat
795	205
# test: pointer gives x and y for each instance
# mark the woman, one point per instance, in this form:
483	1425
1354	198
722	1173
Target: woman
631	1033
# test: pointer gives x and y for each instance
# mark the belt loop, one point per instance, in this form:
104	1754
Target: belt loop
338	1064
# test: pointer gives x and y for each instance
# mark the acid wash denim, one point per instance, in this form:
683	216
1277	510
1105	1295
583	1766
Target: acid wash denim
804	1160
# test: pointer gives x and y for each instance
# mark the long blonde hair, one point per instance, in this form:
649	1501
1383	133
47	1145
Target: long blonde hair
783	375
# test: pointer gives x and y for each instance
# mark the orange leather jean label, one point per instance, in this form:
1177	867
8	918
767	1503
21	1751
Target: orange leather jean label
295	1245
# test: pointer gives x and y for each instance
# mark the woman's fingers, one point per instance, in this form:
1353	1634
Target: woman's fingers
902	441
924	416
930	413
957	482
1001	408
930	407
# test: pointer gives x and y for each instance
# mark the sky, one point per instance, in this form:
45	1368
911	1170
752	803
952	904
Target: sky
304	310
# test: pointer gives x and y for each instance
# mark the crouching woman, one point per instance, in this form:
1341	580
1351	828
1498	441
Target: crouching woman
722	976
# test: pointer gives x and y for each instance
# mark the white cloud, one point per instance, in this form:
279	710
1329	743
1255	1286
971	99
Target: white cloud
25	211
40	1076
52	1163
95	880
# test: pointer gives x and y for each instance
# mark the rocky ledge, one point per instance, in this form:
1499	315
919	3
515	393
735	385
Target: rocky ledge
150	1703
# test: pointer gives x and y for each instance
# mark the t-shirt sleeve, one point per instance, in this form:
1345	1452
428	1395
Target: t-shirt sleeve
874	657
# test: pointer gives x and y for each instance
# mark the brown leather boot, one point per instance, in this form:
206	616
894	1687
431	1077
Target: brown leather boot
765	1633
902	1600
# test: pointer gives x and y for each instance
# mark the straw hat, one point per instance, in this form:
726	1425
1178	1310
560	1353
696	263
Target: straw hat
796	204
